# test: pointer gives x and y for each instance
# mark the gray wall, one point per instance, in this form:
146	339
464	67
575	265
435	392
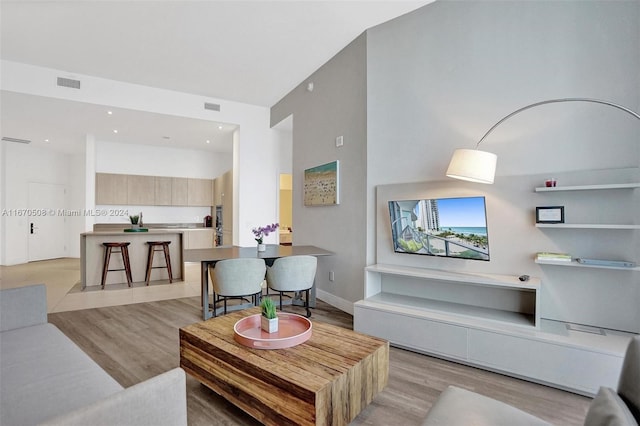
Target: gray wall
438	78
335	107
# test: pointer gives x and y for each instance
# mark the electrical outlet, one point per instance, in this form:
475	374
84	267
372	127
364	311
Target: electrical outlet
339	141
332	276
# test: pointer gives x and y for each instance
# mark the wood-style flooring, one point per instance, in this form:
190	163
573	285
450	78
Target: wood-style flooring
136	342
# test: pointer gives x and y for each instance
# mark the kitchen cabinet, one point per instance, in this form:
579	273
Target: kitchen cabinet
179	191
199	192
111	188
163	191
141	190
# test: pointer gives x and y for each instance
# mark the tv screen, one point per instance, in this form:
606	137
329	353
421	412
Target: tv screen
446	227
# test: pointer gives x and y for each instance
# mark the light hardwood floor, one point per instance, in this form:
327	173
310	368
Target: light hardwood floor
138	341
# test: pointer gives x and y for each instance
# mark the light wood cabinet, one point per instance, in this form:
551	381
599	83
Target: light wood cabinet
111	188
179	189
217	191
227	206
141	190
200	192
163	191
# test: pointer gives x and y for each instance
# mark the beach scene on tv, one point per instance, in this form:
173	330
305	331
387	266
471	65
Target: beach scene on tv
447	227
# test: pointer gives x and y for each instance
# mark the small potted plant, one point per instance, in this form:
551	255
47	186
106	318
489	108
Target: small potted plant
134	221
269	318
261	232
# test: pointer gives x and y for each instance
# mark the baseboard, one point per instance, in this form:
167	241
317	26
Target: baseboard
335	301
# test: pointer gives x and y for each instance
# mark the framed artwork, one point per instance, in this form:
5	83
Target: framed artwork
321	185
553	214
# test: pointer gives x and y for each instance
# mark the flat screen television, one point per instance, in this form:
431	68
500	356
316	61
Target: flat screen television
445	227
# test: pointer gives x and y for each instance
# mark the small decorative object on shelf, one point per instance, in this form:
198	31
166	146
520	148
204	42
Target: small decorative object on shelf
269	318
554	214
262	232
553	257
134	221
550	183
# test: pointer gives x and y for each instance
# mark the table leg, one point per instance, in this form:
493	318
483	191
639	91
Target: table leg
204	293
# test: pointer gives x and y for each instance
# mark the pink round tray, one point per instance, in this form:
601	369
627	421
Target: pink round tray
292	330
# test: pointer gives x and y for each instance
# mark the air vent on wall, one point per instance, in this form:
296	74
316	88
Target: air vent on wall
67	82
8	139
212	107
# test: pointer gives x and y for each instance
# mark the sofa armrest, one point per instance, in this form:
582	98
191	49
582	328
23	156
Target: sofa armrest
23	307
161	400
460	407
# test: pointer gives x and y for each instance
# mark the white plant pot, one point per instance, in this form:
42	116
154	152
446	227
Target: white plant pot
269	325
262	247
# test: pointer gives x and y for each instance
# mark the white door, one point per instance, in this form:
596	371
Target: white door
46	225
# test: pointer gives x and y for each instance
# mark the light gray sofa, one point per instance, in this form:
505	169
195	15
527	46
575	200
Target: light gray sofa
46	379
456	406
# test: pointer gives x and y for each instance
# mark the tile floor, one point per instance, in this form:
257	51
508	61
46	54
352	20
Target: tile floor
62	278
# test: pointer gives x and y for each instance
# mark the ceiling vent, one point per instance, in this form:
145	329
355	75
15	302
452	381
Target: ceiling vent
211	107
8	139
67	82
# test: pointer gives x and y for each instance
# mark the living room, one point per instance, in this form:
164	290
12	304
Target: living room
406	93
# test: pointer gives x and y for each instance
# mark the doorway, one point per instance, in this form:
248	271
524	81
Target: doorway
46	225
286	209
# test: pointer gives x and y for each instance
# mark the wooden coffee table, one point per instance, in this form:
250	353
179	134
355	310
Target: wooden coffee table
327	380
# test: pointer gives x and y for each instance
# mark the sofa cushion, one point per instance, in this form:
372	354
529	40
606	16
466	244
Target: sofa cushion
44	374
629	383
608	409
460	407
23	306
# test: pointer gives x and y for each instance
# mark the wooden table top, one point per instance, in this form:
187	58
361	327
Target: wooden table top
328	379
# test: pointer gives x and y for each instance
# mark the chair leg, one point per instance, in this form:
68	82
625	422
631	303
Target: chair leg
127	266
306	303
149	265
167	260
105	267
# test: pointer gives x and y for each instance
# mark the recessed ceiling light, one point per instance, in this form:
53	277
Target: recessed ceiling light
46	140
208	141
115	130
110	112
220	127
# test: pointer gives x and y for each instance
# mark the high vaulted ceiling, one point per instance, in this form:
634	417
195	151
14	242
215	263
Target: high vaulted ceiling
247	51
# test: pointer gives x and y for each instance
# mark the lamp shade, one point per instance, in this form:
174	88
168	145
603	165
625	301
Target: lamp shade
472	165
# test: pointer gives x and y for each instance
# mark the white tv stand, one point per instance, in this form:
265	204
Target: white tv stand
489	321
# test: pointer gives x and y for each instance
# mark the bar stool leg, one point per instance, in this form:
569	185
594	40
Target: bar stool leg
127	266
105	266
167	260
147	276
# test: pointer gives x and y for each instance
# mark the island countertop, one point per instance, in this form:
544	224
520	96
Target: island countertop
92	254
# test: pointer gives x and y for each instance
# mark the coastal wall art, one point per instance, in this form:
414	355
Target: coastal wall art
321	185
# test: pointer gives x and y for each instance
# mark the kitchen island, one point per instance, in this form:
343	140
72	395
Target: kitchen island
92	256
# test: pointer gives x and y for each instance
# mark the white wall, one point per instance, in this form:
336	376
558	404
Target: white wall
438	78
336	107
255	152
27	164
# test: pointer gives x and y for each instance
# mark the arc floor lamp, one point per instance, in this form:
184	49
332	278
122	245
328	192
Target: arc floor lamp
479	166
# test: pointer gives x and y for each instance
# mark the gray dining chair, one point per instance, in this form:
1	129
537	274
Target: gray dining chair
292	274
237	279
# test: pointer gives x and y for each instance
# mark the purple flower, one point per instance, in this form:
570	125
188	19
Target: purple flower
263	231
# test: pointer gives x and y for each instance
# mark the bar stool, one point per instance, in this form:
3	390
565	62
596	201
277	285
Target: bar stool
155	246
124	250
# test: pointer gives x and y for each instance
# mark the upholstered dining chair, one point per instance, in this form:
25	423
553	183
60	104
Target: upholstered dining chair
293	273
237	279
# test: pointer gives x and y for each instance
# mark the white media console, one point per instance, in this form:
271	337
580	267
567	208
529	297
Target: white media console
488	321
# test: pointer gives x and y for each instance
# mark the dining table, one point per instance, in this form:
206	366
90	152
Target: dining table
210	256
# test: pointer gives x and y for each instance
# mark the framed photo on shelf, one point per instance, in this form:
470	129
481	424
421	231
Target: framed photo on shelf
553	214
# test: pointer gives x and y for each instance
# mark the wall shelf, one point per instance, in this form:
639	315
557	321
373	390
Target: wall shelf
586	226
632	185
576	264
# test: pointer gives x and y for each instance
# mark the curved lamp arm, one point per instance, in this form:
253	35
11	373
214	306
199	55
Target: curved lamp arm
553	101
479	166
